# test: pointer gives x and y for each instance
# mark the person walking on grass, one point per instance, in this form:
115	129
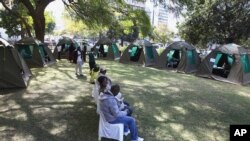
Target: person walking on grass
78	60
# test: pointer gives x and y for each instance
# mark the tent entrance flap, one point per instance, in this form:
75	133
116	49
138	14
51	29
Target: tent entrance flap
135	53
42	51
173	58
245	60
106	49
26	51
149	52
191	57
223	64
115	50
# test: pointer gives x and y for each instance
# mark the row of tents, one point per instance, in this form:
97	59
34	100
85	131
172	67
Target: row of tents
228	63
16	61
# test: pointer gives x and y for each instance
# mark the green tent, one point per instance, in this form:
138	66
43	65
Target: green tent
112	52
228	63
14	72
141	52
65	52
180	56
35	53
105	49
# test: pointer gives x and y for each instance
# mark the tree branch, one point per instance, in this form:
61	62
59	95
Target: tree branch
29	7
16	14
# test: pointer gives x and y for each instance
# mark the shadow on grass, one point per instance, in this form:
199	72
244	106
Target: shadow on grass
10	90
55	107
174	106
52	120
168	106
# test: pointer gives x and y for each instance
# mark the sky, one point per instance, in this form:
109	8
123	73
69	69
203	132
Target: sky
57	9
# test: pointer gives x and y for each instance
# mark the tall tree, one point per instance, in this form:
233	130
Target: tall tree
16	21
219	21
92	12
162	34
130	24
15	27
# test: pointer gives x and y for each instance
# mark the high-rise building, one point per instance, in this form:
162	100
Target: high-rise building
163	15
157	12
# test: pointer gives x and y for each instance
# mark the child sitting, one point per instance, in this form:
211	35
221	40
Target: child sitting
123	105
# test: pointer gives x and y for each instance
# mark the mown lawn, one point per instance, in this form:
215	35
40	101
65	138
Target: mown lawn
168	106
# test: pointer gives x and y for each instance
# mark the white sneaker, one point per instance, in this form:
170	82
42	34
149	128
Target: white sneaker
126	133
140	139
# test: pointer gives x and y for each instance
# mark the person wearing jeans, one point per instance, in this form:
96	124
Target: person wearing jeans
112	113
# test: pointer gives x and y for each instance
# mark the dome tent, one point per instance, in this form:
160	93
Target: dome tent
105	48
141	52
65	52
228	63
181	56
34	52
113	52
14	72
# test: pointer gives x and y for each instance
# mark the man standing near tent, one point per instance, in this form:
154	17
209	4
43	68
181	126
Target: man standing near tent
91	59
71	52
60	50
78	60
84	52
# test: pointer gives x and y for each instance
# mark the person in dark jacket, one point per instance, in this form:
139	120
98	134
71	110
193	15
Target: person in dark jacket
91	59
101	50
60	50
84	52
71	52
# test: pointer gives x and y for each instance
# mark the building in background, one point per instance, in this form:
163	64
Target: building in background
158	13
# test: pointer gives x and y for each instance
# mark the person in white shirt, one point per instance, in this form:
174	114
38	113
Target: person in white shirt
78	60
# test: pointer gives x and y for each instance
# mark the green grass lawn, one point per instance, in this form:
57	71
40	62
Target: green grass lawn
168	106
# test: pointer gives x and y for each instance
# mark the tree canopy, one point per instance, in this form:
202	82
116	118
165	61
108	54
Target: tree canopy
94	13
162	37
217	21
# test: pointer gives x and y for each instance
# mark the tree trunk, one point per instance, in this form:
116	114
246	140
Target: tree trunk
37	14
39	25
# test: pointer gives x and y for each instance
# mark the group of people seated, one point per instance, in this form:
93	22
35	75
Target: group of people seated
111	104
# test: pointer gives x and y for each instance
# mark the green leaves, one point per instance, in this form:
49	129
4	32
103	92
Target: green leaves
219	21
92	13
